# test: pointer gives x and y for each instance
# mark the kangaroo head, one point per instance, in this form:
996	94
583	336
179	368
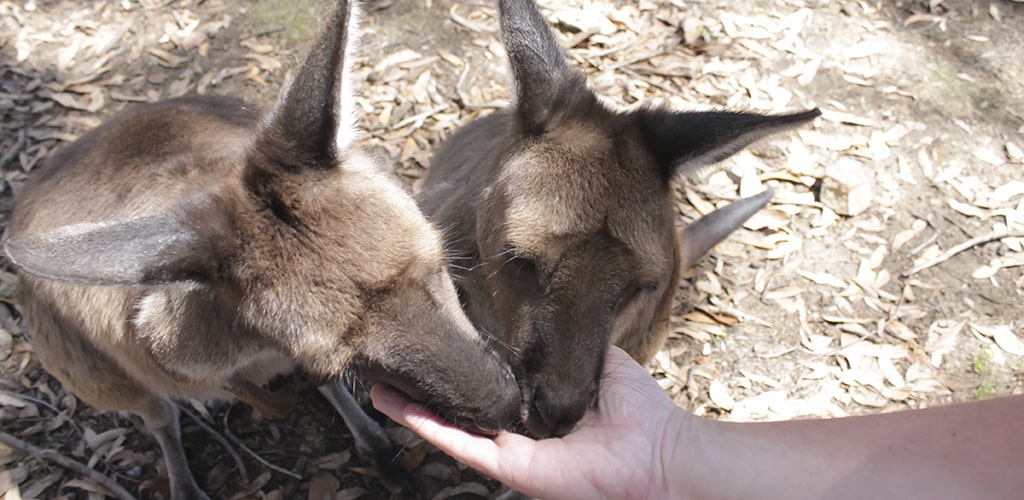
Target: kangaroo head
576	227
312	246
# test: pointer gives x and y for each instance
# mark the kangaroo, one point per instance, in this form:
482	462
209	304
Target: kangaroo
560	211
194	249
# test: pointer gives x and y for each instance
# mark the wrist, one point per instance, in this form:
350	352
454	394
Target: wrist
684	453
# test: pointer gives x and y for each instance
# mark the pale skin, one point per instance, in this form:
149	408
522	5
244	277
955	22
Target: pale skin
638	444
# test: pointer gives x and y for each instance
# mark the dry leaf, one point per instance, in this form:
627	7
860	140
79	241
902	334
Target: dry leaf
996	264
88	485
867	397
899	330
823	278
695	316
989	157
761	379
333	461
37	488
322	487
842	319
968	210
1014	152
720	395
413	457
11	478
350	493
702	205
889	371
166	58
816	343
784	292
757	407
1008	341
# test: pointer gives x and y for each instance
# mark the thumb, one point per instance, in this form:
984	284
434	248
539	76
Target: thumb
628	387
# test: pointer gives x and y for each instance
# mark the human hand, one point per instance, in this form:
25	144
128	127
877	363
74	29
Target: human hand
621	450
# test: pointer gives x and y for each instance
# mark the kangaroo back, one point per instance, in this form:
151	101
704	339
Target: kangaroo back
559	211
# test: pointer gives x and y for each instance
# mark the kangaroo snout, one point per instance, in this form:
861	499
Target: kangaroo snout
553	410
500	412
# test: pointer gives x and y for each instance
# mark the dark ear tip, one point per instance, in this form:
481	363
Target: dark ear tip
805	116
760	200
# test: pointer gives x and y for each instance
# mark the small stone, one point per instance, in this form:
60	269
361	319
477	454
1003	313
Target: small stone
1014	152
586	21
155	75
6	344
846	187
693	29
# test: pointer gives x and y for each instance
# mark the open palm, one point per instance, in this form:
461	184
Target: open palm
616	452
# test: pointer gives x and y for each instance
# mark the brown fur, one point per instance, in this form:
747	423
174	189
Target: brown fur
559	212
191	249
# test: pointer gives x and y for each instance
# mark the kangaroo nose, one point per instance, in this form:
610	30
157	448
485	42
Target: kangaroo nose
555	412
501	413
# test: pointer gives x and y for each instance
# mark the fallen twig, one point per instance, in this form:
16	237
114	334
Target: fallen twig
949	254
67	463
253	454
465	23
11	153
38	401
266	31
220	439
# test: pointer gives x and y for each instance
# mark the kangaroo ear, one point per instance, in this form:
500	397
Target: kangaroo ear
188	243
684	142
545	84
313	125
704	233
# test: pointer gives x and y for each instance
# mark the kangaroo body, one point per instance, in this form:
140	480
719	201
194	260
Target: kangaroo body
559	214
194	248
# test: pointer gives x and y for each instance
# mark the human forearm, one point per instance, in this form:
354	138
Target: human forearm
961	451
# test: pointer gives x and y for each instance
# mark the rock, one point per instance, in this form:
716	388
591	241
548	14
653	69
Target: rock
6	344
693	29
1014	152
846	187
586	21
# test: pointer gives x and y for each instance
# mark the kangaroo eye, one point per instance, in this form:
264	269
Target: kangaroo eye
518	261
523	265
637	292
650	287
524	268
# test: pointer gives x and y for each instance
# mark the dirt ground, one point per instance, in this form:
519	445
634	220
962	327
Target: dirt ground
819	308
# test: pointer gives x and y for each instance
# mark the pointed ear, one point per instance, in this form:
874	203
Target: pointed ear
684	142
312	124
190	242
704	233
545	84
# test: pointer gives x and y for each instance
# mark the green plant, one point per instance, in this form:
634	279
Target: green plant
982	361
956	86
299	18
985	390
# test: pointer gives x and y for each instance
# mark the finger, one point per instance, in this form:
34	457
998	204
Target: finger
626	385
481	453
389	402
619	363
